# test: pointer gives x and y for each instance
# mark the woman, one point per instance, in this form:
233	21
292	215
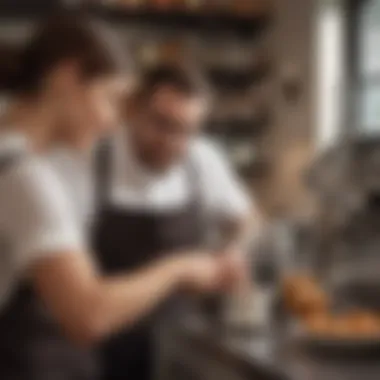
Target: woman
63	89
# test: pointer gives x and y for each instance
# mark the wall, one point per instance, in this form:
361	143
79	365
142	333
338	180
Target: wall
291	143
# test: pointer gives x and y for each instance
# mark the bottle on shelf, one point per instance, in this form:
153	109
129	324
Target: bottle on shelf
247	8
174	52
162	5
127	4
194	5
148	55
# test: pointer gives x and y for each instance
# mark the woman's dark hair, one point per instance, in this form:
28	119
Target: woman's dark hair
77	37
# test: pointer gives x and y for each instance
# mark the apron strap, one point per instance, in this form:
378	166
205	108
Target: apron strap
194	181
103	160
197	201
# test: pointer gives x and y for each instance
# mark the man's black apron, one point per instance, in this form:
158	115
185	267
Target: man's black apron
126	240
32	347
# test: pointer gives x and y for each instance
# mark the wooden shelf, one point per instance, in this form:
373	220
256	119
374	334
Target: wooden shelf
256	170
28	10
182	19
237	80
24	9
240	128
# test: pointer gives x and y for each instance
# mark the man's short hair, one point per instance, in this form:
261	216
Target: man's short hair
186	80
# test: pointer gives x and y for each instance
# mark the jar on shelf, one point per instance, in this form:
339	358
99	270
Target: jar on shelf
173	52
242	153
180	5
148	55
127	4
214	6
162	4
249	7
194	5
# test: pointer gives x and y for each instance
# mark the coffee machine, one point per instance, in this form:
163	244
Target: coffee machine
346	230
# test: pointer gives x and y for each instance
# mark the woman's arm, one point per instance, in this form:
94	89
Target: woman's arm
48	247
90	306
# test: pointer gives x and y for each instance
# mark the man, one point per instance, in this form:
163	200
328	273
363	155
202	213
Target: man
161	186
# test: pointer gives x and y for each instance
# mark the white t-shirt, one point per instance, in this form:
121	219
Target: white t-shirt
76	174
36	217
131	186
220	188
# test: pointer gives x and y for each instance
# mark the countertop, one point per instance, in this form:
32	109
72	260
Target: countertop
273	355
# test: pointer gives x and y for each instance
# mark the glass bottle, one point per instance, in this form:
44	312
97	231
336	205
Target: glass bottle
194	5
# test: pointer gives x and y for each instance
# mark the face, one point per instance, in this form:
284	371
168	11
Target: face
88	109
165	125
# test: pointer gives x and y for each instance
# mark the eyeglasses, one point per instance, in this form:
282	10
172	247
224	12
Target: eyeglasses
169	125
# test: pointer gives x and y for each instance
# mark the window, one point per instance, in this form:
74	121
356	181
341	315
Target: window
367	40
330	72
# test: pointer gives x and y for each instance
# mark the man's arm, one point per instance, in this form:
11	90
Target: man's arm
234	210
241	232
238	219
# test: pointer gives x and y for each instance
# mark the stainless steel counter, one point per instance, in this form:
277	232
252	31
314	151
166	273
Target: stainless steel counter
270	355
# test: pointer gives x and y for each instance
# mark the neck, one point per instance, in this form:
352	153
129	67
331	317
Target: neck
139	154
33	120
80	144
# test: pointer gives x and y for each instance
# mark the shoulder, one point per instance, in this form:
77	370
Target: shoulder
32	171
207	152
38	215
32	180
221	185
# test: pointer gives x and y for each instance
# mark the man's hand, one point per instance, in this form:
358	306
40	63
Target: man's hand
235	271
208	272
199	271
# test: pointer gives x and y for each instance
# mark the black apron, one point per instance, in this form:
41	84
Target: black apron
32	347
127	240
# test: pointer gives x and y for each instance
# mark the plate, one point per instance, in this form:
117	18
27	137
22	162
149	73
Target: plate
335	346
